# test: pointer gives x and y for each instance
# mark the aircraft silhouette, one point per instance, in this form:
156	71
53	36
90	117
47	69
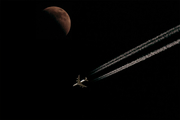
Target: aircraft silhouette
80	82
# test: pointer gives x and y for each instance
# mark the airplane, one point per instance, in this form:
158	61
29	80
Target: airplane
80	82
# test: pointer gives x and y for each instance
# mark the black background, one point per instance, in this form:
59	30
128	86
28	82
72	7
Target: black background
38	73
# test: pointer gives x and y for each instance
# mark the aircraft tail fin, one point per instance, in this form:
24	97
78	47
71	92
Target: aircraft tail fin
86	79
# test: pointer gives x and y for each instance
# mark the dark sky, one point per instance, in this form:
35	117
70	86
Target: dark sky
40	72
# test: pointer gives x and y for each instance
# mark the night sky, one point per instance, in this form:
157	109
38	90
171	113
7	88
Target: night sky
40	70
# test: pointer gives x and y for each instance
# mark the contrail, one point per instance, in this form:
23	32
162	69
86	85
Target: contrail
138	48
139	60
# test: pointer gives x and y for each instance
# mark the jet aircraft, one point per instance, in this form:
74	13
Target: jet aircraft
80	82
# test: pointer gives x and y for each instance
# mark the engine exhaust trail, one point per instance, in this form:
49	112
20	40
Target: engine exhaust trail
138	48
138	60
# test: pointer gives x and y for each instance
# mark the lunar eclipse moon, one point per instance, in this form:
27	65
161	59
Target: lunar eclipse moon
53	22
61	16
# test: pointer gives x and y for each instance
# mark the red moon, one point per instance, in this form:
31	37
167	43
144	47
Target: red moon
61	16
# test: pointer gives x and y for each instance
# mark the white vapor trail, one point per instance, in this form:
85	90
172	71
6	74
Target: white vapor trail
139	60
138	48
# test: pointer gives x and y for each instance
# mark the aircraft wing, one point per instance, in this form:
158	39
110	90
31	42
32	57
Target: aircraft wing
78	78
82	85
